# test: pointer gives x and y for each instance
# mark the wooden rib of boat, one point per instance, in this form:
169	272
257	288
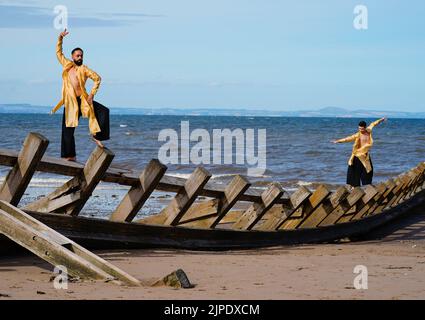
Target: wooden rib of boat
271	217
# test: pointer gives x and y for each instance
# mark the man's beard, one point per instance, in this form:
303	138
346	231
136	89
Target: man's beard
78	62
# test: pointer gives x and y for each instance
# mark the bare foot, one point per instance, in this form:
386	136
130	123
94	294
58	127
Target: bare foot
71	158
100	144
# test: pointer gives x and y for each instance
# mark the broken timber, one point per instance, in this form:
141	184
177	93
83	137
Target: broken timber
57	249
202	214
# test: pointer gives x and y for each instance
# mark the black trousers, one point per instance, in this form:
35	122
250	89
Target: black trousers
68	141
356	173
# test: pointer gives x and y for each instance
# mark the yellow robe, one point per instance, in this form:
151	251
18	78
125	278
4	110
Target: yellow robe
68	94
361	152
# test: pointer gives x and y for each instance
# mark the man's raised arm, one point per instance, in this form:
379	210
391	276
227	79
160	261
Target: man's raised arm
375	123
59	54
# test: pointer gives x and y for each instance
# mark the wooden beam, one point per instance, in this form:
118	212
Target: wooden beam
205	222
234	190
56	249
318	196
71	197
201	211
257	210
418	175
365	202
186	196
344	206
404	183
278	213
136	197
361	212
314	219
131	178
20	175
197	211
386	196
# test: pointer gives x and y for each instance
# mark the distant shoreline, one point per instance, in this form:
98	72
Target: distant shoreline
227	116
329	112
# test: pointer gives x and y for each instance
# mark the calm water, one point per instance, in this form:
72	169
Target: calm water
298	149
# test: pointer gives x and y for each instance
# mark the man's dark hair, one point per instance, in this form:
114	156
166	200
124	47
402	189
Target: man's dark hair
77	49
362	124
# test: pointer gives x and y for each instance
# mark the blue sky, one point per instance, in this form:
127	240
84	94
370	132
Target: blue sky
271	55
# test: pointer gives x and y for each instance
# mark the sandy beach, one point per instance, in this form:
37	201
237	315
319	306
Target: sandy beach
394	256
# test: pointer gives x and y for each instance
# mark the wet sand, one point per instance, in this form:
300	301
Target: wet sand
394	257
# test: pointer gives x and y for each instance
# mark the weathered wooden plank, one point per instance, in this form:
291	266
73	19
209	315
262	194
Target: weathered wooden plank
186	196
71	197
361	212
319	195
366	201
205	222
55	248
136	197
257	210
395	193
55	199
234	190
278	213
197	211
314	219
405	182
418	175
344	206
421	181
20	175
383	201
94	169
125	177
200	211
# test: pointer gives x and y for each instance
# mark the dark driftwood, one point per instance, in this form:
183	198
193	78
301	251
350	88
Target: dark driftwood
95	233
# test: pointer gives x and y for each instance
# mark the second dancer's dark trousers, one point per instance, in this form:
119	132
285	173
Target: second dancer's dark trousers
357	174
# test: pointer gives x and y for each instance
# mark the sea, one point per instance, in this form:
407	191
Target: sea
298	150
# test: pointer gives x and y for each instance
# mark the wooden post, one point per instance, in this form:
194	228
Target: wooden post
257	210
365	202
134	200
422	179
325	208
318	196
386	196
186	196
344	206
20	175
361	212
278	213
417	175
232	193
71	197
404	182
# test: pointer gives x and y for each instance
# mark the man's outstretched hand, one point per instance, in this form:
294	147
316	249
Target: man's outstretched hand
64	33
